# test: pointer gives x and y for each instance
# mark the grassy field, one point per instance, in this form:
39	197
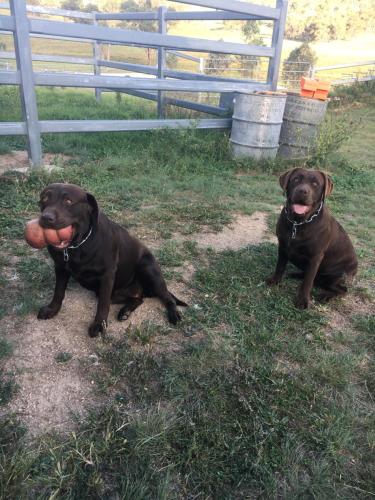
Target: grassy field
248	397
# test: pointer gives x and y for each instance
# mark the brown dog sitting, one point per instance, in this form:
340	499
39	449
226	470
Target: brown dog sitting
311	238
102	256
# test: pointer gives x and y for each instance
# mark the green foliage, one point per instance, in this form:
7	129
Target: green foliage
139	6
6	348
333	132
217	63
334	20
251	32
8	387
63	357
298	64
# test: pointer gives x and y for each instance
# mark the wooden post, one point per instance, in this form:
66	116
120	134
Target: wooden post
161	61
27	88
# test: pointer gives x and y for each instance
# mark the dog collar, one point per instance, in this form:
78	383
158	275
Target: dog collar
72	247
296	224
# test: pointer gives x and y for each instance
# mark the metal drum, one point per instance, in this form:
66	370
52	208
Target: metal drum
302	117
256	124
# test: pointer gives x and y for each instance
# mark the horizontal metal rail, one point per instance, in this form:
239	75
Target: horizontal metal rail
261	11
175	16
138	16
103	34
181	103
63	126
36	9
51	58
64	38
346	65
117	82
183	75
184	56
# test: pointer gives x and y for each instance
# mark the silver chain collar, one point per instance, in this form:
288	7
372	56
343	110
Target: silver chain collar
295	224
66	253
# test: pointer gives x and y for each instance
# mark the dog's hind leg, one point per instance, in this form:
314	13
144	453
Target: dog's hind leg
153	285
130	305
332	288
296	275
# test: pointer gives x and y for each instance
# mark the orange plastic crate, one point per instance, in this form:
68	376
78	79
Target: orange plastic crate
308	83
314	89
321	94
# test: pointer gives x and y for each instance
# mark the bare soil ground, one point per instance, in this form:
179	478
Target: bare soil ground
244	230
18	161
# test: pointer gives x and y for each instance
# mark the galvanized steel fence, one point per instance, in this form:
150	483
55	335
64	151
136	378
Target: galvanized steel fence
160	78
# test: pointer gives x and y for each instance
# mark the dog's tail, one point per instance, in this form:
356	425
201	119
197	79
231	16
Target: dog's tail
178	301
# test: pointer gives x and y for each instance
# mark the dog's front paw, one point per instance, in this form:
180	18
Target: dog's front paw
98	327
174	316
303	302
47	312
273	280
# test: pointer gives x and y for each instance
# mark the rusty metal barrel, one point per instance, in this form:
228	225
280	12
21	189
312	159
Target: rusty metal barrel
256	124
302	117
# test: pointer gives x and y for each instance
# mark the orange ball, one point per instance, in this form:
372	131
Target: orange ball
51	237
34	234
65	233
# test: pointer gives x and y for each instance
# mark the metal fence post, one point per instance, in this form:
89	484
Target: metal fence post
96	54
27	88
277	43
201	65
161	61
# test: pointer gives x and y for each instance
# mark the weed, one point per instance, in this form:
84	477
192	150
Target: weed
365	323
6	348
63	357
8	387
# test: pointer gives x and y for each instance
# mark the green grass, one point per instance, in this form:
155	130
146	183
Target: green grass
248	397
63	357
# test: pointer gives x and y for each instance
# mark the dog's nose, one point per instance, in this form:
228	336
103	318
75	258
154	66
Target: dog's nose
48	217
303	191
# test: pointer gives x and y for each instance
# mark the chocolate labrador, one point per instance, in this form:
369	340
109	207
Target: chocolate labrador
102	256
311	238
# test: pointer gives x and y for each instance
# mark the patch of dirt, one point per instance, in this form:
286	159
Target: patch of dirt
243	231
18	161
343	309
51	392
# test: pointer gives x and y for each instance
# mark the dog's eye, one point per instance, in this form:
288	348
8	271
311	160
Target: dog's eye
44	199
314	183
67	201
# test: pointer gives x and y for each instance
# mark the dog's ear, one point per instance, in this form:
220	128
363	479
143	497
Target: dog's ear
328	184
95	208
284	179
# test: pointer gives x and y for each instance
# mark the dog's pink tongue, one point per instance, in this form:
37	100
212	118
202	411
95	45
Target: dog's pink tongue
300	209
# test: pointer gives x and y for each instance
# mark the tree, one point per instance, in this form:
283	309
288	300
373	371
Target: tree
298	64
140	6
322	20
72	5
251	33
78	6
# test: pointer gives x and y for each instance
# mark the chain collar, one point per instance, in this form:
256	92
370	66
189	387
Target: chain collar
295	224
72	247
